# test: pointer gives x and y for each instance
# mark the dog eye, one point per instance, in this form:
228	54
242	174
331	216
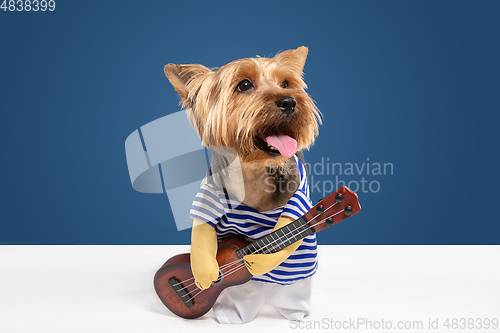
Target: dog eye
284	84
245	85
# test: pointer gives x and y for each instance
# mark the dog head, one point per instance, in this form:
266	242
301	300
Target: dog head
257	106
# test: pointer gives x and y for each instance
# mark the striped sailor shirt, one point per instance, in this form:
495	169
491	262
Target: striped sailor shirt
212	206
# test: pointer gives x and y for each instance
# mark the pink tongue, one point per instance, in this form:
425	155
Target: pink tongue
285	144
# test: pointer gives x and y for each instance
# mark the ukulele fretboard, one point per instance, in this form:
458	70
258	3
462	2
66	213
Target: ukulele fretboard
279	239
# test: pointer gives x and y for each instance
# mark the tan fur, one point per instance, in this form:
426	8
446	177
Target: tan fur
222	116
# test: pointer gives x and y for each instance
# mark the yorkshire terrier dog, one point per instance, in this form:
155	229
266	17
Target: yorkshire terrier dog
255	114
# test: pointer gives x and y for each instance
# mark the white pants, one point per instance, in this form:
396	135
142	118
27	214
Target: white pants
240	304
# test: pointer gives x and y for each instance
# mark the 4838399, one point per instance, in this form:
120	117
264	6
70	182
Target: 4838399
28	5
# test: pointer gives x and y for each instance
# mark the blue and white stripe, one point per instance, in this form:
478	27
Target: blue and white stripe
212	206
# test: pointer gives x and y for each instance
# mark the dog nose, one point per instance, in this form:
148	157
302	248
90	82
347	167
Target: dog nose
286	104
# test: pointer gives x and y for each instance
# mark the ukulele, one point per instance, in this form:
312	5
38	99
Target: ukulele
174	282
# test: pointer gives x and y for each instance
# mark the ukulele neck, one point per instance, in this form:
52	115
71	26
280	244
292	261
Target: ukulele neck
336	207
279	239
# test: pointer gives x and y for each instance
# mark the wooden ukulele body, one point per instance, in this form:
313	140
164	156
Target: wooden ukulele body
174	282
179	269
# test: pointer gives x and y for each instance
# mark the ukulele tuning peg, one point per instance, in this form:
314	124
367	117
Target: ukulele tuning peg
339	197
320	209
329	222
348	210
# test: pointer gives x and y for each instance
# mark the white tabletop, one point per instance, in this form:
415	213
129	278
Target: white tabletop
109	289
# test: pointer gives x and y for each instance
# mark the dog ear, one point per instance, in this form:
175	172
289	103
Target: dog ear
181	75
295	58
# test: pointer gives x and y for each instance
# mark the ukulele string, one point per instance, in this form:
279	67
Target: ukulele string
242	266
264	248
266	251
232	263
237	268
305	227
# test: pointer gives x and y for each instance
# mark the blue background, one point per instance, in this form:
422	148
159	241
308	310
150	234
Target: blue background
412	83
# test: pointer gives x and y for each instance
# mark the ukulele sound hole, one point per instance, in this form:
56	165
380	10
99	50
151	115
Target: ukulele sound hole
219	279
